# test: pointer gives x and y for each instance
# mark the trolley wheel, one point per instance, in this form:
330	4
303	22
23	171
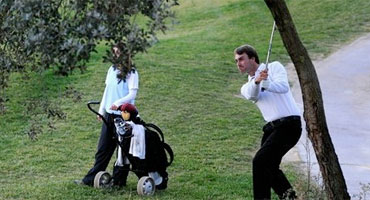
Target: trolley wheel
146	186
102	179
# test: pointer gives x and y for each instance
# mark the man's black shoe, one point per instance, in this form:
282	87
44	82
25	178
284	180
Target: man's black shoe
289	195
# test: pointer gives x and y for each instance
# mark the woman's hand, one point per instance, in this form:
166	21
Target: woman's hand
114	107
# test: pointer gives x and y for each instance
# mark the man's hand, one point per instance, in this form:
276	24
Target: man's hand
99	118
262	76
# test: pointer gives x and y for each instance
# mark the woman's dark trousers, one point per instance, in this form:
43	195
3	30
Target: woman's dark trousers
106	146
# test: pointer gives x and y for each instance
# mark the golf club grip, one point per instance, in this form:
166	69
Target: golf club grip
94	111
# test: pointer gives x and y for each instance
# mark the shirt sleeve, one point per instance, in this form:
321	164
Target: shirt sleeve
102	103
108	73
278	78
251	90
133	86
133	80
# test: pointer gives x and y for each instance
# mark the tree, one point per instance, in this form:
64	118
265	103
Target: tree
36	35
314	114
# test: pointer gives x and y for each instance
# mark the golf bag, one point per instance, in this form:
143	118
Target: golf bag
158	154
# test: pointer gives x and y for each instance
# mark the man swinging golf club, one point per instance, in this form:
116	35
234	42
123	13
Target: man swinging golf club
283	128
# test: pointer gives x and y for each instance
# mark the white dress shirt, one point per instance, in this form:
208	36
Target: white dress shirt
117	91
276	101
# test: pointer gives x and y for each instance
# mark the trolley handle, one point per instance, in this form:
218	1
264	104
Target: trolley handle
94	111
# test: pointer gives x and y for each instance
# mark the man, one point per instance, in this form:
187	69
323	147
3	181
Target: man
269	90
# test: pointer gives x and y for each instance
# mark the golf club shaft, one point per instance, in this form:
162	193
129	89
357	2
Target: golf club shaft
269	49
270	45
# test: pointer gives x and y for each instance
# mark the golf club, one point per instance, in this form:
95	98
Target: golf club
269	51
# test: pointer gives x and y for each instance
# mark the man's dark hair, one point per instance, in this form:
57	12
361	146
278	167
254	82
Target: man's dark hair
249	50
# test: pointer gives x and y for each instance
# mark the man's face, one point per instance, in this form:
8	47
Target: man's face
244	63
116	52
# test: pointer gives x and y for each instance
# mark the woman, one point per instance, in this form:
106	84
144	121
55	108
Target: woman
121	86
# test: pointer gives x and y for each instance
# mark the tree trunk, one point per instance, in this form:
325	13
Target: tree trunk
314	114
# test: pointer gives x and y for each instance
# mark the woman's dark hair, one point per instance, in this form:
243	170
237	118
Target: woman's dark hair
249	50
124	62
119	45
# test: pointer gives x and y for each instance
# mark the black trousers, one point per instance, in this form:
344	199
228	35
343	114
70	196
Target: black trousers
277	140
106	146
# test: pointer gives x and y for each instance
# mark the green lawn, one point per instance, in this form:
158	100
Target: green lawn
188	83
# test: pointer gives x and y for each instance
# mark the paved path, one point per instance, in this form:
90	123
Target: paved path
345	83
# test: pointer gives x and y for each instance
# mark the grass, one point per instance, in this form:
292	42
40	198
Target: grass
187	85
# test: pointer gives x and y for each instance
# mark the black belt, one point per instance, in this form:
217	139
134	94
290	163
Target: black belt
283	120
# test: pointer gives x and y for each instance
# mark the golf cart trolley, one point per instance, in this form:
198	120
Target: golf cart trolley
151	168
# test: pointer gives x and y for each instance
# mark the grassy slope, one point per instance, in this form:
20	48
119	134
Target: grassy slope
187	86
